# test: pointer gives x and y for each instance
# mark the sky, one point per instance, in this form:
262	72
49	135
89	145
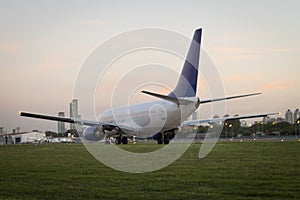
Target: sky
253	44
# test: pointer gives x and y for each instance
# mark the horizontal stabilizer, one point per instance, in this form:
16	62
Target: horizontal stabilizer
227	98
178	101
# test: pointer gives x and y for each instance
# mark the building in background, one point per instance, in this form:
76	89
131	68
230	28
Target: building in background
279	119
61	125
73	111
296	114
18	129
30	137
74	114
269	119
289	117
266	119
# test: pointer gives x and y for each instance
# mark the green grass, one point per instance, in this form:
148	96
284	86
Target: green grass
256	170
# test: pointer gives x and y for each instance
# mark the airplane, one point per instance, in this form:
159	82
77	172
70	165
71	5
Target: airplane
158	119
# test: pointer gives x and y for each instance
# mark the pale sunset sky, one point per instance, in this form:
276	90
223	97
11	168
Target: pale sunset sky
255	46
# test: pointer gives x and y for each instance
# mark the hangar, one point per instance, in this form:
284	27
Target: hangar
28	137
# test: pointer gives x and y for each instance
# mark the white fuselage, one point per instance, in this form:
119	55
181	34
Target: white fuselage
149	118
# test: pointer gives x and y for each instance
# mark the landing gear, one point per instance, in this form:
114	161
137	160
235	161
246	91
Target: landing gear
166	138
124	140
159	138
118	140
121	140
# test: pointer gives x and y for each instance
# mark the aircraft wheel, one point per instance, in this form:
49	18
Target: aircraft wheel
159	138
118	140
124	140
166	138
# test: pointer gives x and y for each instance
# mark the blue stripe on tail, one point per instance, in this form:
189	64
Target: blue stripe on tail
187	84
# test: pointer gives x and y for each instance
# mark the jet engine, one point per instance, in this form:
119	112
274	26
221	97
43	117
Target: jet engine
93	133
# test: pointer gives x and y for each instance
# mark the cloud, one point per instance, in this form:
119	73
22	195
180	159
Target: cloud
240	78
233	50
246	36
237	50
277	85
9	47
281	50
235	37
54	63
91	22
238	54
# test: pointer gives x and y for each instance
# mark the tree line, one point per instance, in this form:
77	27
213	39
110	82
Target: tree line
233	128
73	132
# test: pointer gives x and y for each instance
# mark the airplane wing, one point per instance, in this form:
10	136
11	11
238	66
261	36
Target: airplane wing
60	119
203	121
105	125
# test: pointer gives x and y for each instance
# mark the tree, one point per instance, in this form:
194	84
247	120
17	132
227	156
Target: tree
51	133
231	128
73	132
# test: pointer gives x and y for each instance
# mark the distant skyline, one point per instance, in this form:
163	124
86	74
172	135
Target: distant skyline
254	44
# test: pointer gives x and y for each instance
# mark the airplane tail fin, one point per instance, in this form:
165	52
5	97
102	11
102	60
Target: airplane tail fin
187	84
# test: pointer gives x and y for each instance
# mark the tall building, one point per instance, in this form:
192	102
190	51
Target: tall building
74	108
289	117
73	111
79	127
61	125
296	114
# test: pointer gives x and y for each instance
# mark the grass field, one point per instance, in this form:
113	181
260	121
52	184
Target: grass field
254	170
